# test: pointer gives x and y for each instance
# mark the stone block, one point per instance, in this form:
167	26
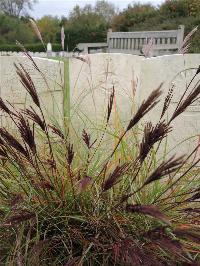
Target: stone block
49	81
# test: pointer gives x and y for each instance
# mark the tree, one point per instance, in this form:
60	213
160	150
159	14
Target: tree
16	7
105	9
49	27
180	8
85	25
132	16
13	29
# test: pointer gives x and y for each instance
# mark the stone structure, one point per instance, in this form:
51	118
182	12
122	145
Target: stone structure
175	71
91	79
164	42
49	83
49	49
38	54
91	48
134	78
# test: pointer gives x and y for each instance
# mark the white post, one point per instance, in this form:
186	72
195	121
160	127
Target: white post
49	49
63	39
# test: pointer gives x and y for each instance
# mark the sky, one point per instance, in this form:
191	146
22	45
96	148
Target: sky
63	7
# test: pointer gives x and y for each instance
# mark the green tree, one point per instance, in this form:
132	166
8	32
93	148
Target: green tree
180	8
49	27
13	29
105	9
84	25
16	7
132	16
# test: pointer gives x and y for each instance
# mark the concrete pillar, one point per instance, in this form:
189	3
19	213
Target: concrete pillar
129	43
180	36
49	49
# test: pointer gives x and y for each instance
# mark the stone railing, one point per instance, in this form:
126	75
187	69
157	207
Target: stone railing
164	42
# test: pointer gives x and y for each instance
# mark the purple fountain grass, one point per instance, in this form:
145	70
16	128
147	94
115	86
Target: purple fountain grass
60	204
186	42
27	133
70	153
31	114
28	84
167	102
189	100
57	131
13	142
152	134
37	31
115	176
150	210
144	108
166	168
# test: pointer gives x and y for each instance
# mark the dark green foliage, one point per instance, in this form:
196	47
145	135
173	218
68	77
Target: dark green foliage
12	29
82	35
84	25
35	47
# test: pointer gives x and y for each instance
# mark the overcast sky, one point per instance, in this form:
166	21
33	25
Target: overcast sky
62	7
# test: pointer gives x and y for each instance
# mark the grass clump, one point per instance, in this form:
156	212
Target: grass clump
60	206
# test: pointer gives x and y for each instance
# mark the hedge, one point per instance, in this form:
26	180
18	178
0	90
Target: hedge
38	47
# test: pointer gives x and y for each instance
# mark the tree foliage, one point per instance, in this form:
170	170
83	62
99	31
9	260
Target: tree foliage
12	29
133	15
49	27
180	8
106	10
86	24
16	7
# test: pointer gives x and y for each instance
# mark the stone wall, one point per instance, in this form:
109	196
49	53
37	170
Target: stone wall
174	72
134	78
49	83
48	54
90	80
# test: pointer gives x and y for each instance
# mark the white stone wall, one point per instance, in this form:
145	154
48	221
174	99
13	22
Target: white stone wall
49	84
92	81
176	71
91	78
38	54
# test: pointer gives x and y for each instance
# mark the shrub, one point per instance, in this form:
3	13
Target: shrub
66	206
56	47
